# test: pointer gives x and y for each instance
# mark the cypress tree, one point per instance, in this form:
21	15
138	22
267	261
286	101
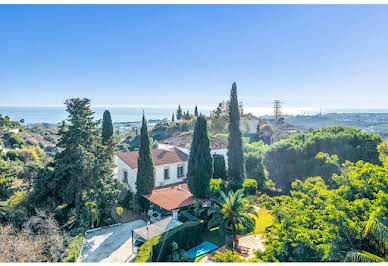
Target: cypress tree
107	127
173	118
196	111
145	179
235	150
219	166
200	166
179	113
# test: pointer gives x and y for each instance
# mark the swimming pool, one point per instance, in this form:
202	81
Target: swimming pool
201	249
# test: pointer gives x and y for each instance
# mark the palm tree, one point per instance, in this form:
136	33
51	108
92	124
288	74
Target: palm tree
230	213
379	231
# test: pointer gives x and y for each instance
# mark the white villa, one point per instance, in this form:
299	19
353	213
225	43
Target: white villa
170	161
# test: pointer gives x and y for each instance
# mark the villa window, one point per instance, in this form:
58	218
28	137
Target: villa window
125	178
166	173
181	172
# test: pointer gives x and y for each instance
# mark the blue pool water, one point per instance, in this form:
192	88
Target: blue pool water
201	249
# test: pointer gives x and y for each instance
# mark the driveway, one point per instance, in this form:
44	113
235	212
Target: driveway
111	244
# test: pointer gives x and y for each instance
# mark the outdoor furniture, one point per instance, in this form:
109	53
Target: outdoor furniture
244	251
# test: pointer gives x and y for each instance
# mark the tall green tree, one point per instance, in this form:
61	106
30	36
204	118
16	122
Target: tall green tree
107	127
74	170
179	112
145	179
235	149
219	166
200	166
196	111
173	118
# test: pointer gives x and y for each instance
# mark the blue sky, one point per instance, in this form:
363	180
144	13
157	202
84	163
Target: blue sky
321	56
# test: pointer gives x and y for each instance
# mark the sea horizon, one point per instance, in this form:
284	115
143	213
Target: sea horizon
55	114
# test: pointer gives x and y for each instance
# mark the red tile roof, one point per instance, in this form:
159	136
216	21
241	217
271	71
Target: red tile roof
159	157
171	198
185	140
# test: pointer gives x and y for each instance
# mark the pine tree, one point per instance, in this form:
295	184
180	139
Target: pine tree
235	151
172	118
200	166
196	111
179	113
74	167
107	127
145	180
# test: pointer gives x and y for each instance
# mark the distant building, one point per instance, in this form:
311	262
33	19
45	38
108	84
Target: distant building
170	161
249	123
183	143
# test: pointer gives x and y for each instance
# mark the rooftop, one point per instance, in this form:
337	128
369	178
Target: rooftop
171	198
185	140
159	157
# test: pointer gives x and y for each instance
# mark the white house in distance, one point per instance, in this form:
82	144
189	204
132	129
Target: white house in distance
170	161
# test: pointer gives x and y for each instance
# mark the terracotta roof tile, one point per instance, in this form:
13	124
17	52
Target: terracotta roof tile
171	198
185	140
159	157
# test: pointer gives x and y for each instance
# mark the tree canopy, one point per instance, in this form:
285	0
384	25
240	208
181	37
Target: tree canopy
317	223
294	158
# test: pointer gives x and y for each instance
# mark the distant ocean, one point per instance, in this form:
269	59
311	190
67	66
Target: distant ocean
54	115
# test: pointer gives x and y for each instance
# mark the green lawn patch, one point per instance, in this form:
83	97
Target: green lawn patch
264	220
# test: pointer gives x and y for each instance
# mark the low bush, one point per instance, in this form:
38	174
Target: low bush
185	216
250	186
157	249
235	185
215	186
74	248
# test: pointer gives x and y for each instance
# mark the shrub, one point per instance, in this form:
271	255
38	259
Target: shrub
24	155
250	186
185	216
14	209
219	166
227	256
254	168
157	249
235	185
12	140
74	248
215	186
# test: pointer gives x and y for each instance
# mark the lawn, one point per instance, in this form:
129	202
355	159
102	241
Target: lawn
264	220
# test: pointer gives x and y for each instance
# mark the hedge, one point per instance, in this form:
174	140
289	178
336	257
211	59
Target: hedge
185	216
186	235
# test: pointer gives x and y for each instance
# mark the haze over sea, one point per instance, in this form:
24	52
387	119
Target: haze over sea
55	114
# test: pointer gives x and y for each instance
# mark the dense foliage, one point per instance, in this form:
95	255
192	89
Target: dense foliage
230	213
250	186
219	166
294	158
236	170
145	179
107	127
319	223
157	249
200	165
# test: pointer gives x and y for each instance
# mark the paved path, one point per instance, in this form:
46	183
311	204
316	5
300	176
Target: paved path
112	244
